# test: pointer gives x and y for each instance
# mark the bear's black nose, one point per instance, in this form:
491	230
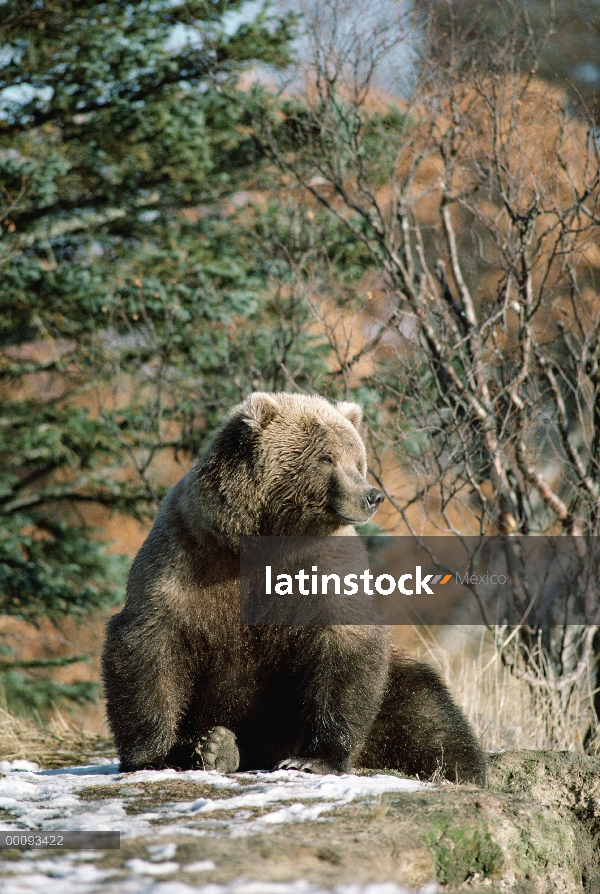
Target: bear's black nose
374	497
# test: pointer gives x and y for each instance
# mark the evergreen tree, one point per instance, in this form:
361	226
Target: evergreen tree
137	300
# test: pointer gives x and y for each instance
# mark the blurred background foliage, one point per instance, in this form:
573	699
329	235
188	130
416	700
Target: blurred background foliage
136	299
566	34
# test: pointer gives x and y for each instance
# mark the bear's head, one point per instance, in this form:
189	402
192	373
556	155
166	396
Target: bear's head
286	464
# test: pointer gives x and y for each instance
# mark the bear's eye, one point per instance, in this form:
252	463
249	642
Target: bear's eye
328	460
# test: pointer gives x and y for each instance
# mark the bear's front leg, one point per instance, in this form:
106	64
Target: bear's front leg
147	681
342	687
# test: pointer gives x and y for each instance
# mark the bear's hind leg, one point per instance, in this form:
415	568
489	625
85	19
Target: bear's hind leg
419	730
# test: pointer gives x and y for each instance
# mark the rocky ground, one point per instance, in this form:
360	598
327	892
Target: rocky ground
534	830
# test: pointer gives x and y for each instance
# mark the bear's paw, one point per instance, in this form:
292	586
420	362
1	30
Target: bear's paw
218	750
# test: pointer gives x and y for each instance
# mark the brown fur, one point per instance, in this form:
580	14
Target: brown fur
177	662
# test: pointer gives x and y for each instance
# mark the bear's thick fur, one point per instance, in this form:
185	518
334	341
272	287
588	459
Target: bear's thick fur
188	686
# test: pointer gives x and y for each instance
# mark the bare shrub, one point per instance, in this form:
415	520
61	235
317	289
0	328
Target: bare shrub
506	711
477	202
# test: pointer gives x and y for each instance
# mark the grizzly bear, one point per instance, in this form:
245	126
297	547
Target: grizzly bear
188	686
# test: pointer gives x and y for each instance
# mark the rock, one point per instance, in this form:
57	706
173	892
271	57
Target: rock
549	830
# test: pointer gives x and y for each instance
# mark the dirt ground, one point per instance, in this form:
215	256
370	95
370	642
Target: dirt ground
535	829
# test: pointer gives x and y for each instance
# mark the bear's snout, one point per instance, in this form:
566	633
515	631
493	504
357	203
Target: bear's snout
353	499
373	498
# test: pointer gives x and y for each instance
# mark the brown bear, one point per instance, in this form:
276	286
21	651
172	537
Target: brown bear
187	685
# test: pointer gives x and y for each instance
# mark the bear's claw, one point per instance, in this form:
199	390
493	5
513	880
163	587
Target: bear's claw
307	765
218	750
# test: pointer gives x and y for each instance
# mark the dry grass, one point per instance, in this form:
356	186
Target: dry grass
56	744
505	712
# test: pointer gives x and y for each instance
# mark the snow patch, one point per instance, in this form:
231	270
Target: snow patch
143	867
50	800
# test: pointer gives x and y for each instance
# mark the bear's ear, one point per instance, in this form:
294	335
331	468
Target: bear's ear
259	409
352	412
